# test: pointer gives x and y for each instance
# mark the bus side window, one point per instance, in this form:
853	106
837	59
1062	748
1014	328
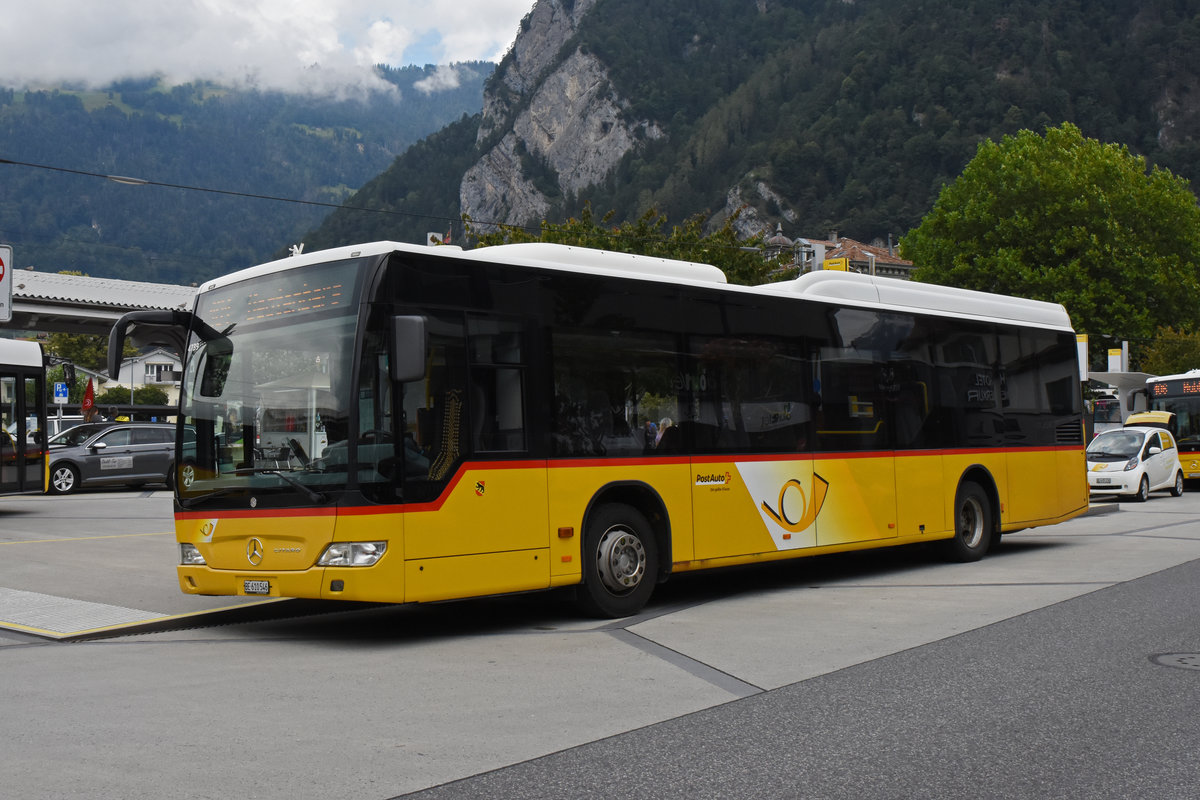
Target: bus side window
497	385
749	395
855	380
616	393
1042	393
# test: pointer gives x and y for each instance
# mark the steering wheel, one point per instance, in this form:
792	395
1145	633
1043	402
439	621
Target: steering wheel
377	435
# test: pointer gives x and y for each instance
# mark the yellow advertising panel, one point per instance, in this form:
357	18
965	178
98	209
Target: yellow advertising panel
840	264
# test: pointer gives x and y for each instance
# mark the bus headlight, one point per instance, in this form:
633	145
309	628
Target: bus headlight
352	554
189	556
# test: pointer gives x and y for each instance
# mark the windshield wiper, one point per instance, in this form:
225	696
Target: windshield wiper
213	495
312	494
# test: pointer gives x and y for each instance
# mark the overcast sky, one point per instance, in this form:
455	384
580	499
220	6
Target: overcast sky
274	43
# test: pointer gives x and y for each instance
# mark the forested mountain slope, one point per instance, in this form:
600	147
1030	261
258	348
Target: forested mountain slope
844	115
294	146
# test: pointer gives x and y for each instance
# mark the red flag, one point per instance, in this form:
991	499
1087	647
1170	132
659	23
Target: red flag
89	398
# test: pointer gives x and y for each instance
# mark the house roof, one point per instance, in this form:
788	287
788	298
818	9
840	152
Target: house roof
859	252
103	292
157	354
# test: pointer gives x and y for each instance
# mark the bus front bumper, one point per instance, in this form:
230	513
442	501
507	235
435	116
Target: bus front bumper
317	583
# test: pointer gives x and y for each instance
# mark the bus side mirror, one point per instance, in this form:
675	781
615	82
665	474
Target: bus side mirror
408	348
217	356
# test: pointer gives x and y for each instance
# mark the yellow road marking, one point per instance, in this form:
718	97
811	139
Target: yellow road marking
88	538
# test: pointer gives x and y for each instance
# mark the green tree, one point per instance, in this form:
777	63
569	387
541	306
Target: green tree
116	396
150	396
84	350
1172	352
1072	220
739	258
143	395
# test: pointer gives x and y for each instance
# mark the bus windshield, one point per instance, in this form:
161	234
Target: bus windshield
268	396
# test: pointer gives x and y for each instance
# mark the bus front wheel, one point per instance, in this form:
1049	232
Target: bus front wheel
620	562
973	526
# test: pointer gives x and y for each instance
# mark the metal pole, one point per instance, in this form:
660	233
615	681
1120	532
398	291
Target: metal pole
132	385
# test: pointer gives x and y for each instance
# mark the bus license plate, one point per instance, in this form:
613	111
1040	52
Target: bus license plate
256	587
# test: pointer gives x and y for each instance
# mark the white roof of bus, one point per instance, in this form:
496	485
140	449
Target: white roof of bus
20	353
862	290
532	254
909	295
1194	374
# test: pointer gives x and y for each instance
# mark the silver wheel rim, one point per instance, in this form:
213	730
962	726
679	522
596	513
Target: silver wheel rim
64	481
970	522
620	559
187	475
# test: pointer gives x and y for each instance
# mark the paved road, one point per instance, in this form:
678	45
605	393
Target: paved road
1061	666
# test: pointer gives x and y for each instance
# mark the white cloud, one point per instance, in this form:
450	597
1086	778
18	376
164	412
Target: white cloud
385	44
312	45
444	77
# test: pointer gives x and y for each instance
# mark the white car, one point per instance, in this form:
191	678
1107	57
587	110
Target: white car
1134	462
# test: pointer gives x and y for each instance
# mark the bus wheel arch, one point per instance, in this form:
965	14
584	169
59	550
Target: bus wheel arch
976	517
625	550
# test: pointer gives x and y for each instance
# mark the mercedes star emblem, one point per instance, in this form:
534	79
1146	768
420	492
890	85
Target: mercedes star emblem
254	551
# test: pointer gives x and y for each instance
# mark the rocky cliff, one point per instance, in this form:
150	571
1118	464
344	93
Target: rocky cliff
814	115
552	123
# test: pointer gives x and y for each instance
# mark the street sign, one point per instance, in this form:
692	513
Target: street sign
6	281
60	393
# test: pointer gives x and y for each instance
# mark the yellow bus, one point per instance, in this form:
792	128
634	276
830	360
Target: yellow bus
22	417
398	423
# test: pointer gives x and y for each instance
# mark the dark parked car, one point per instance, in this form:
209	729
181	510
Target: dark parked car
79	434
108	454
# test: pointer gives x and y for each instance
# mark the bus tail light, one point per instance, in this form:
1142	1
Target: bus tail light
189	556
352	554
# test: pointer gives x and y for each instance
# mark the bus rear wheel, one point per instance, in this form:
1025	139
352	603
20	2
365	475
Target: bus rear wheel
973	526
620	562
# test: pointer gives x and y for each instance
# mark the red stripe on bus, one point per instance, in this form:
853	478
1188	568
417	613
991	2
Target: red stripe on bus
584	463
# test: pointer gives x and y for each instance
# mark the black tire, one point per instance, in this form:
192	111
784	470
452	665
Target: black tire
64	478
620	562
974	528
1143	492
1177	488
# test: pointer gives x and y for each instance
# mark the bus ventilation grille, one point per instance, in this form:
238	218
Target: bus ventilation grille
1068	433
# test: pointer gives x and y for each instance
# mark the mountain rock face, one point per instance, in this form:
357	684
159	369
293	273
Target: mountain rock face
813	115
547	114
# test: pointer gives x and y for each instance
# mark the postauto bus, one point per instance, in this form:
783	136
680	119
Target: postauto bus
399	423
